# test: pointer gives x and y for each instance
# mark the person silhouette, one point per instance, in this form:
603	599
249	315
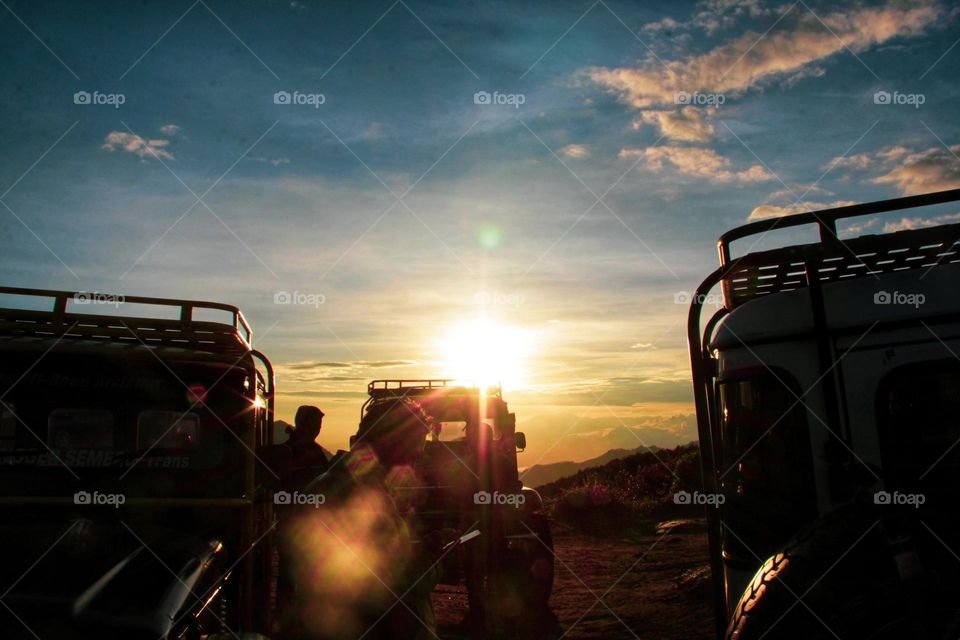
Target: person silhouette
305	453
299	460
366	500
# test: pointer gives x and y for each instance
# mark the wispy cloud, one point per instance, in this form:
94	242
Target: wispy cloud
777	211
935	169
860	161
355	364
918	223
752	60
688	124
701	163
375	131
313	372
932	169
132	143
276	162
576	151
710	17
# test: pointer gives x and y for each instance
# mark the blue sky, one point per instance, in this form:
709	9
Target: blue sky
686	118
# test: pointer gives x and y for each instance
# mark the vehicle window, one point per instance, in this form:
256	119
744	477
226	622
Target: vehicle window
753	409
766	463
75	429
918	408
168	430
452	430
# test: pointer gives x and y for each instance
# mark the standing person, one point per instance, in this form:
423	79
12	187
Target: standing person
305	453
299	460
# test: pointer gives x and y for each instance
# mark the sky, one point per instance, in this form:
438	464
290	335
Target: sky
390	189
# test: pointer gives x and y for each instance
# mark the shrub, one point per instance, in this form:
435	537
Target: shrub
634	488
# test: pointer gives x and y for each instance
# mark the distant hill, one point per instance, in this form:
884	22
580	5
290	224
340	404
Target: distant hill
634	488
540	474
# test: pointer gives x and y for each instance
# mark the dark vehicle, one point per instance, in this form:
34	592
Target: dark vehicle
827	390
129	502
469	466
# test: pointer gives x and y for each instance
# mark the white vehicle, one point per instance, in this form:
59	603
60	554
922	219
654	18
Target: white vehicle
827	390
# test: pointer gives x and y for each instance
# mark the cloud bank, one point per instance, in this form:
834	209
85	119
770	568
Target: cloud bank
752	60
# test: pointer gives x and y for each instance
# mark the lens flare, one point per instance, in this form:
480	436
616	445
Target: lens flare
489	237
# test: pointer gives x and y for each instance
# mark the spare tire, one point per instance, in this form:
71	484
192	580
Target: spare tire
839	578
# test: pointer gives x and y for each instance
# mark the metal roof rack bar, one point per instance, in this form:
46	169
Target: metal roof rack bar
403	385
826	219
183	332
793	267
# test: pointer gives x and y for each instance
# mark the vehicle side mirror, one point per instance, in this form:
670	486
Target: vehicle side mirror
520	440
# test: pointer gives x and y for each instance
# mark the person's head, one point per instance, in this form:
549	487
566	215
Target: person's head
307	423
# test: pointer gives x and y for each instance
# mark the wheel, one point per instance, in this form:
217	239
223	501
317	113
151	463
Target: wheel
840	578
509	579
536	563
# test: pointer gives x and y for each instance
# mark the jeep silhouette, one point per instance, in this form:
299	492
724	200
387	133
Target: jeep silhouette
469	467
827	390
129	502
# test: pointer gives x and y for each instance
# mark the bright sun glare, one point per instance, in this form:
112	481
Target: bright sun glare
485	352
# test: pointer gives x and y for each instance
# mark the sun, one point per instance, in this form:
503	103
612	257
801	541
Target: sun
486	353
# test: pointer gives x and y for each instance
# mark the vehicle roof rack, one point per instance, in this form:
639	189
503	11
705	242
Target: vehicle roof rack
413	387
405	388
183	333
762	273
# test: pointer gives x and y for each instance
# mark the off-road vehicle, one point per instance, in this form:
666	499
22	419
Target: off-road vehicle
129	503
827	390
469	467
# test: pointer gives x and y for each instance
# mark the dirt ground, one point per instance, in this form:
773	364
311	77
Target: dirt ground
642	586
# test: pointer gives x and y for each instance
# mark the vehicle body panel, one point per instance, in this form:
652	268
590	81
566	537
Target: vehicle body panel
128	472
828	323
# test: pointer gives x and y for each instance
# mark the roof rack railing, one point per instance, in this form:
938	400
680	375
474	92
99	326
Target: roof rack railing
760	273
826	219
401	385
402	388
405	387
60	299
